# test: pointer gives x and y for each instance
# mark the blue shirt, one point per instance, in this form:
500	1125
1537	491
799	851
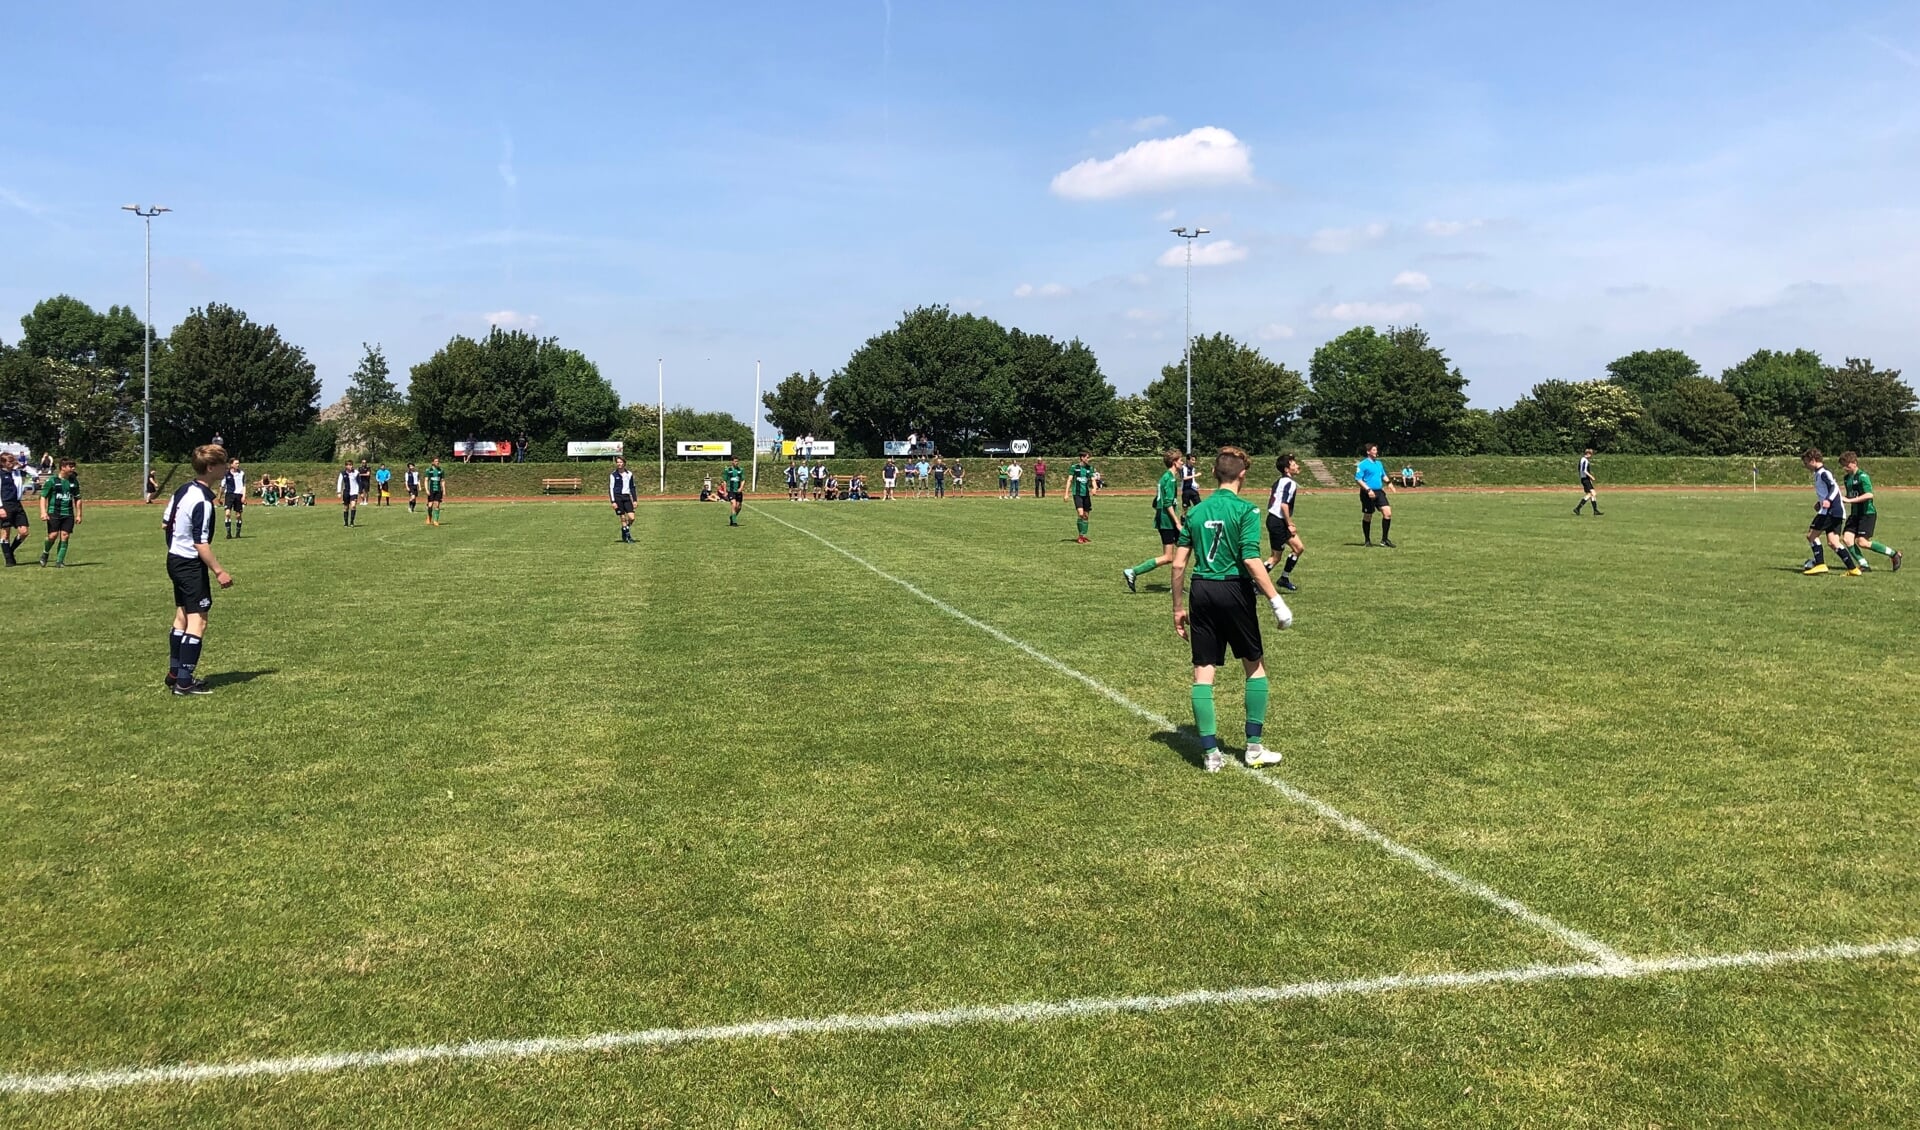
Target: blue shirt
382	476
1371	474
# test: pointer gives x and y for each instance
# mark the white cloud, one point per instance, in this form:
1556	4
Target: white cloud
1044	290
1146	317
1216	254
1167	215
1414	281
1149	123
514	320
1274	331
1208	156
1447	228
1337	241
1367	311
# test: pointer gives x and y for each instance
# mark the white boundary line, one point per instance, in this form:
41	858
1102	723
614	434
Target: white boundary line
1030	1012
1584	943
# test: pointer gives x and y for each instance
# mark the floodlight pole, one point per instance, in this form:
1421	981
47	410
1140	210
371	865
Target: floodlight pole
147	214
755	487
661	419
1189	236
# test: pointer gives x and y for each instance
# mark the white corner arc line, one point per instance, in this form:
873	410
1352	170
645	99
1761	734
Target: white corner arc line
1030	1012
1575	939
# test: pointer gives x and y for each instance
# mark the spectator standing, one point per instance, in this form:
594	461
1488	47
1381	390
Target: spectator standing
520	448
939	477
472	442
153	487
887	474
1039	478
1013	480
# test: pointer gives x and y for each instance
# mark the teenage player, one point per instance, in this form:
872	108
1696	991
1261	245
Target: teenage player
347	486
1586	485
1280	528
1861	515
365	476
1828	517
1221	541
234	486
887	474
1189	481
13	511
60	512
436	490
188	522
413	487
1166	519
620	491
1373	496
1082	483
734	476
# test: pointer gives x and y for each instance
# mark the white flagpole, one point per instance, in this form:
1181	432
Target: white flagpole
662	421
756	428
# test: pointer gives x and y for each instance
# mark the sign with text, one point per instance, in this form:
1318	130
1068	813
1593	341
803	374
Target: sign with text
484	449
578	449
703	447
1021	446
809	450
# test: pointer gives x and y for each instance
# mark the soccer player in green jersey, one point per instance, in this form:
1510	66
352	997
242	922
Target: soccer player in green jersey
436	490
1166	519
60	510
1221	540
735	495
1856	490
1082	482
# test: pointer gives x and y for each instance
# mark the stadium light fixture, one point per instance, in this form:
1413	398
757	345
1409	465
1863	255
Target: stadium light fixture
146	393
1189	234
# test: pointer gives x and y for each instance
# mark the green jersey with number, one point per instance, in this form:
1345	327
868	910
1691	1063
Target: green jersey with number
1165	498
1081	476
1857	484
734	477
435	476
1222	532
60	494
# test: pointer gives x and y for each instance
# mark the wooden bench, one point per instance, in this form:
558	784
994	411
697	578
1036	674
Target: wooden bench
550	486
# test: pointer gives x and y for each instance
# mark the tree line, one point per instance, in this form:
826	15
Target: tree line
72	384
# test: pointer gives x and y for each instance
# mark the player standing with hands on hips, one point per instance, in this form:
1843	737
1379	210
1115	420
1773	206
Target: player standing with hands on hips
188	522
1373	496
1221	540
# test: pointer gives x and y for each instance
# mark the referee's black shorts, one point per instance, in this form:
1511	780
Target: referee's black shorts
1223	615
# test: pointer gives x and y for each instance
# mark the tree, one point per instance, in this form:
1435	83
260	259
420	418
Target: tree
1544	422
1650	373
1239	397
223	373
29	402
686	424
1394	389
1058	397
584	403
1777	386
797	407
371	387
1132	431
1701	416
1863	409
936	373
89	361
508	383
1602	412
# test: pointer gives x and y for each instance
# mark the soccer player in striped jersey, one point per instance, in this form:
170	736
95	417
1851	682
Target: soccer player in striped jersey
13	510
1082	483
1166	519
60	511
1221	540
413	488
234	486
736	493
188	522
1280	528
621	491
1829	517
1857	493
1586	485
348	487
436	491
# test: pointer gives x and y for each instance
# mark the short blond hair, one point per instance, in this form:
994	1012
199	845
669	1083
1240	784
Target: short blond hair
208	457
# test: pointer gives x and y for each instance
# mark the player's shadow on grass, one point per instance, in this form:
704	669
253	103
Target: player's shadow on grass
1185	741
230	678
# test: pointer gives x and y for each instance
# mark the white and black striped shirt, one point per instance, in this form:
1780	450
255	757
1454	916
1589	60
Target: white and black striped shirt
235	483
1283	493
348	485
188	519
619	483
1585	471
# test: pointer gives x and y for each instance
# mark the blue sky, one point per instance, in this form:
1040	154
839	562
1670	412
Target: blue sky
1543	187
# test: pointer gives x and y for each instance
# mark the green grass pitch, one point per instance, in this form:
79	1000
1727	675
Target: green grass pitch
509	779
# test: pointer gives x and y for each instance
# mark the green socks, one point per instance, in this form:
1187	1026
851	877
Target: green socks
1082	523
1145	567
60	554
48	548
1256	707
1881	549
1203	719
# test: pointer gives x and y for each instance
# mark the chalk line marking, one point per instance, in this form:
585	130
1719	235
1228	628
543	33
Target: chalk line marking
1584	943
1029	1012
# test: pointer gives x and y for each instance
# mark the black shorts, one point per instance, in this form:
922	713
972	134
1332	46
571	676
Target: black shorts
1223	616
1190	494
1586	484
1861	525
192	585
60	525
236	502
413	492
623	504
1371	500
1279	532
1083	502
433	496
736	496
1168	535
16	518
1827	521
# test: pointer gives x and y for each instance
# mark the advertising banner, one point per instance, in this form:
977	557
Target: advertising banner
703	447
587	449
484	449
817	447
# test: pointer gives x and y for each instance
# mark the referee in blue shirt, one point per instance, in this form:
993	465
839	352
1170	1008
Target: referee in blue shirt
1373	496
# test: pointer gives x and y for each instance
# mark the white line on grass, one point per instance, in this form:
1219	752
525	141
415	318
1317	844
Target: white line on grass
1585	943
1029	1012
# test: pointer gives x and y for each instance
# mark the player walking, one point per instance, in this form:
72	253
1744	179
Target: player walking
736	495
1166	519
60	511
13	510
413	488
1189	481
1374	486
1280	528
234	486
347	486
188	522
1829	518
621	492
436	490
1221	540
1861	514
1082	483
1586	485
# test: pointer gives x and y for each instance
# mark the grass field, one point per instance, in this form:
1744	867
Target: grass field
509	780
